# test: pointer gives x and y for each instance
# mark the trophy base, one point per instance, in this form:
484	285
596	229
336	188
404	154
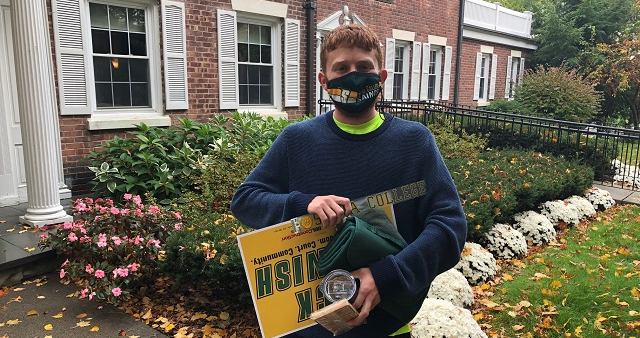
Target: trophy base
334	317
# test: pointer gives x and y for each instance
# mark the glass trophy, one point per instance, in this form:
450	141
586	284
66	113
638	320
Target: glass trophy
339	284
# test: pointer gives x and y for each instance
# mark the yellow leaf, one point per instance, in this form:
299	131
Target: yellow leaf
58	316
14	322
95	329
147	315
478	316
635	292
32	313
555	284
47	336
578	330
507	276
525	303
18	289
41	297
48	327
623	251
169	327
199	315
30	249
83	323
621	303
517	327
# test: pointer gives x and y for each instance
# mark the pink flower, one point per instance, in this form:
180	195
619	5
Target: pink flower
120	272
67	225
137	240
102	240
137	212
116	292
88	269
116	240
127	196
99	274
154	209
91	295
133	267
114	210
154	242
62	273
178	226
83	293
43	236
65	263
72	237
176	215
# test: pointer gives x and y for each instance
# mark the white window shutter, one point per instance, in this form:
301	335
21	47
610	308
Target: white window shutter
71	57
292	63
389	58
507	87
174	41
492	85
415	71
227	59
446	76
424	79
476	82
521	73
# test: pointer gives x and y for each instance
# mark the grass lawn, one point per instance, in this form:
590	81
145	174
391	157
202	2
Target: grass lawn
586	284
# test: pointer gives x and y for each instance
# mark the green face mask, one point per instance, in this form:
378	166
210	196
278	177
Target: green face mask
355	92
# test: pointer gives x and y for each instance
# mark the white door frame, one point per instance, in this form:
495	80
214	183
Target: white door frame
13	185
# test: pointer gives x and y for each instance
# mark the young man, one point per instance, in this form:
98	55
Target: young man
317	166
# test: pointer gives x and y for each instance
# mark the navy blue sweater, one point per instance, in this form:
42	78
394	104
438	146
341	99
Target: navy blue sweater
315	157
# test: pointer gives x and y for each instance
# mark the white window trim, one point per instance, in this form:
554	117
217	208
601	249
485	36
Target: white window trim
276	59
438	68
476	88
405	67
115	118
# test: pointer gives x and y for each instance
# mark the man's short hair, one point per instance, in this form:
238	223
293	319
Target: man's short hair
351	35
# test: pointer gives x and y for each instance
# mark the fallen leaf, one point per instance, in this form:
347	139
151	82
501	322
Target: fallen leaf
18	289
48	327
95	329
82	315
83	323
14	322
59	315
517	327
41	297
32	313
225	315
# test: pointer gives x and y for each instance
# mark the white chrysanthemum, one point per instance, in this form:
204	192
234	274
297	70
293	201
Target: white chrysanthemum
583	207
477	264
452	286
439	319
560	211
505	242
536	228
600	199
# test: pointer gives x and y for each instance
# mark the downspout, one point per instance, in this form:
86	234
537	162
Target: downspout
456	86
310	7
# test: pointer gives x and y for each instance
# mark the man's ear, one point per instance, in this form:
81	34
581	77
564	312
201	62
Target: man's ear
383	75
323	80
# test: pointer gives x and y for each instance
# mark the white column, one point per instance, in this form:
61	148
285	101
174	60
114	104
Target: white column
38	117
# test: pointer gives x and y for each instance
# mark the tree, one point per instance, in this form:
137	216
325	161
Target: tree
618	70
558	93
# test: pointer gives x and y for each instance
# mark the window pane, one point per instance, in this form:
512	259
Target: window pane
99	16
265	36
102	68
265	75
397	86
118	17
120	43
243	32
140	94
121	95
100	41
254	94
243	52
244	94
242	74
254	53
139	70
136	20
120	70
265	94
254	74
266	54
103	95
254	34
138	44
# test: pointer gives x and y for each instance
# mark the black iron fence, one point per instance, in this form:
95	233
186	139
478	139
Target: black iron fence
613	153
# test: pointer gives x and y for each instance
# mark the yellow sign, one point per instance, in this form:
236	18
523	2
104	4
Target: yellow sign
280	263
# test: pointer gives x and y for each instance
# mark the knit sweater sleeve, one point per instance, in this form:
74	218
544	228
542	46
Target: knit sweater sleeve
440	239
264	198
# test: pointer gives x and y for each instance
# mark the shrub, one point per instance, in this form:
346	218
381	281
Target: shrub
452	286
506	106
557	93
505	242
455	142
440	319
536	228
162	162
477	264
111	250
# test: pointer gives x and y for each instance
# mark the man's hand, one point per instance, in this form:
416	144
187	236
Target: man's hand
368	296
331	209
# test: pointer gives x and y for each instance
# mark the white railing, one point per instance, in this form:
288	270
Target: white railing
495	17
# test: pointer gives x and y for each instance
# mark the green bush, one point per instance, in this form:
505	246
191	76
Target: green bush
557	93
456	142
506	106
162	162
500	184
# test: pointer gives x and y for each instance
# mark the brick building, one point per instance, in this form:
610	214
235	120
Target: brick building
103	66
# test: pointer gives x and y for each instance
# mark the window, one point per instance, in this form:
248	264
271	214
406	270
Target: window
515	68
120	56
484	70
400	72
255	69
485	78
434	73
